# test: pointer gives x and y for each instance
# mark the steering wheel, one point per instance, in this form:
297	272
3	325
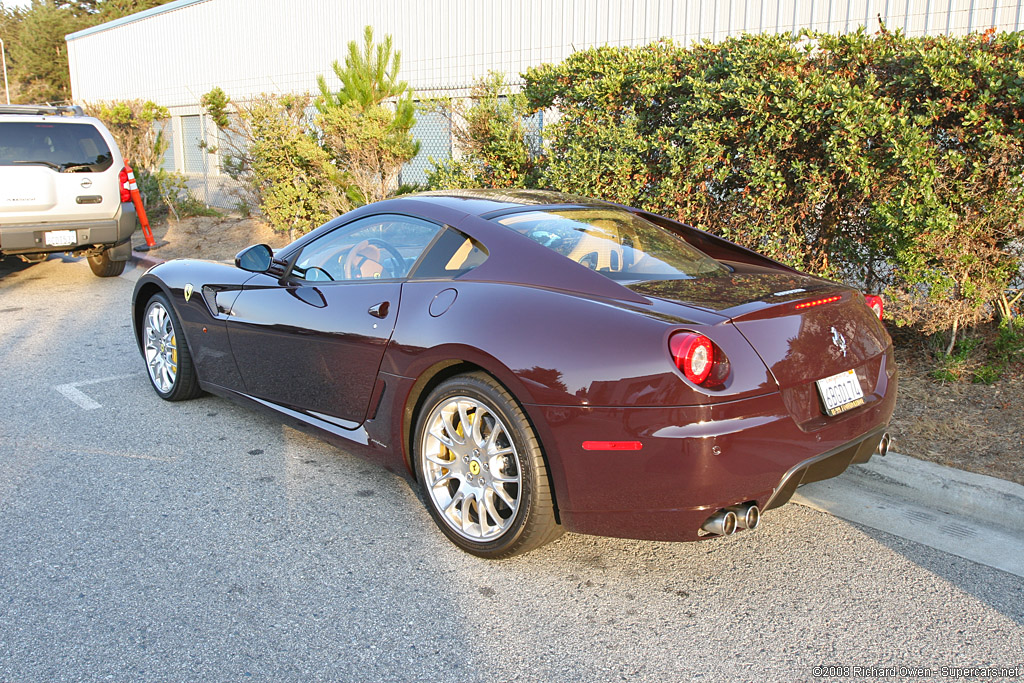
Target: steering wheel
368	250
317	274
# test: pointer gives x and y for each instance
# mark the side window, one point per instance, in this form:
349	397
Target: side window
454	254
374	248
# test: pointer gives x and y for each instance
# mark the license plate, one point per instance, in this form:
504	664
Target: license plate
60	238
841	392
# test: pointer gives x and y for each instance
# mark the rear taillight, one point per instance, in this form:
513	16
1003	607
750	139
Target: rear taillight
699	359
122	178
875	304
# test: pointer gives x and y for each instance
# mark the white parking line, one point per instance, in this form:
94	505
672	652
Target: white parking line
77	397
73	394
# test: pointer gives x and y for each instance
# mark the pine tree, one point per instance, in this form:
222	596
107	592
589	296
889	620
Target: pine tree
369	139
40	54
368	77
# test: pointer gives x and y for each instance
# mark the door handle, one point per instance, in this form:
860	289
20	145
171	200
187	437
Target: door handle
379	310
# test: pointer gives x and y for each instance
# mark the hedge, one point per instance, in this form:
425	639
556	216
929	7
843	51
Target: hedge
891	163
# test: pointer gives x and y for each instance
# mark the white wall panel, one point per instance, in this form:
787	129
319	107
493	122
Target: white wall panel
252	46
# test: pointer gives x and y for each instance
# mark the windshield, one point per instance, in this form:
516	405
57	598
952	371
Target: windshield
615	243
64	147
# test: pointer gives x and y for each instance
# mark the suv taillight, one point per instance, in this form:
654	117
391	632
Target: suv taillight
875	304
699	359
122	178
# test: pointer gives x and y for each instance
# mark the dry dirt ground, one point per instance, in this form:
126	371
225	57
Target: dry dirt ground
214	238
974	427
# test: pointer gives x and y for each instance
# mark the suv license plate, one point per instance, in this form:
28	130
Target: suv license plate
841	392
60	238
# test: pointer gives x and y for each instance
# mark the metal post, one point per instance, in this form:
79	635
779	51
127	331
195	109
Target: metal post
206	160
3	56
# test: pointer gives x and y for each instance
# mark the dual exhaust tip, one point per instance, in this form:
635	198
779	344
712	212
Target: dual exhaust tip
728	520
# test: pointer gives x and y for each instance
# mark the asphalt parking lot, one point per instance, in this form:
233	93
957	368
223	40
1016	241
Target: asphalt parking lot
142	540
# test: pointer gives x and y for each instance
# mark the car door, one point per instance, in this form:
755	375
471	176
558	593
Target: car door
313	340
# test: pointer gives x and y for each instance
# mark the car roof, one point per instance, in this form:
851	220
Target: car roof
481	202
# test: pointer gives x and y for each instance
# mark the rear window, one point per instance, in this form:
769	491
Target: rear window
64	147
615	243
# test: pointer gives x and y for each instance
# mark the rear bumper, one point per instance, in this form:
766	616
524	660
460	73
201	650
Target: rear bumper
30	238
696	460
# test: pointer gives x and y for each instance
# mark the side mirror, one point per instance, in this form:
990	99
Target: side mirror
255	259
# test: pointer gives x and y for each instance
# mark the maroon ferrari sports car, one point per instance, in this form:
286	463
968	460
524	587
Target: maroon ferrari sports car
537	362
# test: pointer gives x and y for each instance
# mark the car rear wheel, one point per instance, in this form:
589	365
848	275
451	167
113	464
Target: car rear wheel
103	266
167	358
482	470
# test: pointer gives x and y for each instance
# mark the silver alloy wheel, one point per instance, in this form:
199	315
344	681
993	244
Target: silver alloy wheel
161	347
471	468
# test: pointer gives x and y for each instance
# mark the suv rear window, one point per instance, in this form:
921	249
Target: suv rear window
64	147
615	243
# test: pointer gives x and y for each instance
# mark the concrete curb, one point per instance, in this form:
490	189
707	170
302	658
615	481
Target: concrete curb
145	261
968	515
984	499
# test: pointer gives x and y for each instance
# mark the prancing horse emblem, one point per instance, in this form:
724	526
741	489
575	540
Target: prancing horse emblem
188	295
839	340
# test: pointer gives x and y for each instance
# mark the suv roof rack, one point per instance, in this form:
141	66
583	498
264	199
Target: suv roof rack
41	109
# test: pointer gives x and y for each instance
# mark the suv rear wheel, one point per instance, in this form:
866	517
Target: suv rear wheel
103	266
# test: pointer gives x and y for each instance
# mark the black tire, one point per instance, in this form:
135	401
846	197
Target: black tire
496	424
165	351
102	266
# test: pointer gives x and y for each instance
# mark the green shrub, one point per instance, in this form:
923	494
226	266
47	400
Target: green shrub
892	163
136	126
172	188
236	139
299	187
491	136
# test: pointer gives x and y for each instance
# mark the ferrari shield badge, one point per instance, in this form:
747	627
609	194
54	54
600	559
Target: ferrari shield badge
188	292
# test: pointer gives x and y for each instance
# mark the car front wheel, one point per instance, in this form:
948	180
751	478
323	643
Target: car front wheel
481	469
167	358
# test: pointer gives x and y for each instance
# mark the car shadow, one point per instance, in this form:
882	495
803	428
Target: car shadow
10	265
987	584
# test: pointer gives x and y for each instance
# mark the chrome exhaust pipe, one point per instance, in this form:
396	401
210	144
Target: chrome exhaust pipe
722	523
748	515
884	444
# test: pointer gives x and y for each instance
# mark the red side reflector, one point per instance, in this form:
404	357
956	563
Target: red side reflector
612	445
819	302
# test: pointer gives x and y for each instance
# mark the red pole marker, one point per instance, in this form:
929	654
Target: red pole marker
133	188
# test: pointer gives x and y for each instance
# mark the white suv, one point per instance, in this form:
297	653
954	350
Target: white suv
62	188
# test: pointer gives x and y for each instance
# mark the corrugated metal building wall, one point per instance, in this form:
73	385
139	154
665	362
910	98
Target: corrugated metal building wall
175	53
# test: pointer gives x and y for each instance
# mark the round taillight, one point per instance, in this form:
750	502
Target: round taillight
122	178
875	303
694	355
